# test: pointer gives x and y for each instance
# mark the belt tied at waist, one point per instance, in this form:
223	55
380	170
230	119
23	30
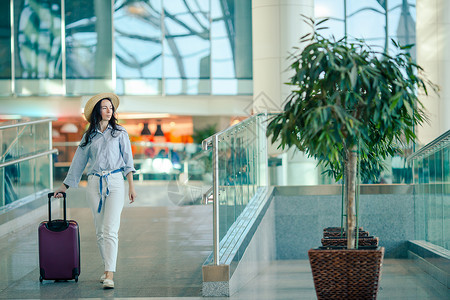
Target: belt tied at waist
104	174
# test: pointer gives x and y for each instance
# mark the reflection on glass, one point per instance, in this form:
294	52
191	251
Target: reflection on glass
207	47
231	47
186	46
5	41
138	52
88	39
397	21
38	37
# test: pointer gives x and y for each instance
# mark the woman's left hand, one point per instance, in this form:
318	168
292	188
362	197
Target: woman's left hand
132	195
131	192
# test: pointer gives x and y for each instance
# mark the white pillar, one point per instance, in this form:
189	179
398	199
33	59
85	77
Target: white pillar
433	41
277	27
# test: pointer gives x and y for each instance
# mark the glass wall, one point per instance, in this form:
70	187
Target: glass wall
395	19
89	50
139	54
231	47
432	194
37	38
157	47
187	47
5	48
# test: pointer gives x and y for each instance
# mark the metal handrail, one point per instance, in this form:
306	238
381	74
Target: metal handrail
22	159
207	194
437	143
27	123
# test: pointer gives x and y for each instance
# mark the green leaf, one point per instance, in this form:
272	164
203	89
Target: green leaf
347	94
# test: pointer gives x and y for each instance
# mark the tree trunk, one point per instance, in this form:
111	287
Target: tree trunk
351	166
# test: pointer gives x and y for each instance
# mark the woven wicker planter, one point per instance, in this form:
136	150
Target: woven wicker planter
342	241
336	229
337	233
346	274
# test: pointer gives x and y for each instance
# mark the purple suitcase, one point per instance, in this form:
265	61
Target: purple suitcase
59	247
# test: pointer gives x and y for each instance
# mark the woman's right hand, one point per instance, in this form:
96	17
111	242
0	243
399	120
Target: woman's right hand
62	189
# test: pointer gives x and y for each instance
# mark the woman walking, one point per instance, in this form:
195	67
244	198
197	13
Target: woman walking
106	147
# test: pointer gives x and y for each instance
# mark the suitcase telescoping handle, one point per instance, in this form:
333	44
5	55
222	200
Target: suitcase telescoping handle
50	195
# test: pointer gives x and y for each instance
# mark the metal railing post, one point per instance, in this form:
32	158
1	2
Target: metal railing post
215	151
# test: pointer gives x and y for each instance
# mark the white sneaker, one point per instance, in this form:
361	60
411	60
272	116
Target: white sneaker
102	278
108	284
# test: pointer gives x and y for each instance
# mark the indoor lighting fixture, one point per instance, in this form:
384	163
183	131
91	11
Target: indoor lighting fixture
146	130
159	131
69	128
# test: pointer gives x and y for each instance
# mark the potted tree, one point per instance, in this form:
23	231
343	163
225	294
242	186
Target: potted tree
350	108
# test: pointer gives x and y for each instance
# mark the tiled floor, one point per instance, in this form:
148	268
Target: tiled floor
401	279
161	252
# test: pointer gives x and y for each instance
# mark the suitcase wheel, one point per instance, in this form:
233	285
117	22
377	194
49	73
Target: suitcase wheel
41	279
76	278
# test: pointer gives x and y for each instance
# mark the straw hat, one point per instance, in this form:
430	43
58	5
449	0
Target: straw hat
91	103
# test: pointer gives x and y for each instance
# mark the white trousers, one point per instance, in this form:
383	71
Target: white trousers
107	222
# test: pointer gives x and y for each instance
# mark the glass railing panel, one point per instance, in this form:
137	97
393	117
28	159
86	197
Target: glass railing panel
431	233
231	174
224	187
4	188
42	137
438	234
9	184
446	199
9	150
238	166
42	173
251	163
28	142
419	203
247	164
432	191
242	162
26	178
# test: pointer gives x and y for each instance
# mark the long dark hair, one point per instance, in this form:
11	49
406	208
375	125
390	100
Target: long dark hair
94	123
